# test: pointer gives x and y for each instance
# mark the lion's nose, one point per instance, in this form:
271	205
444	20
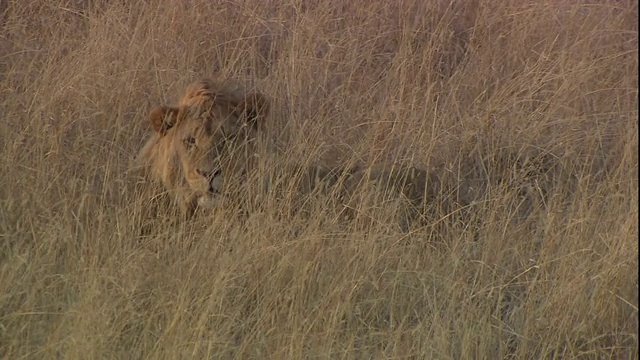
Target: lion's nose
214	178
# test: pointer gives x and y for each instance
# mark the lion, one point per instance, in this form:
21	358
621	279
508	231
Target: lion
207	142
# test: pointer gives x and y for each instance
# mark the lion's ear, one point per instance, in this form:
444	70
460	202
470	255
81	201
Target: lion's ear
163	118
255	107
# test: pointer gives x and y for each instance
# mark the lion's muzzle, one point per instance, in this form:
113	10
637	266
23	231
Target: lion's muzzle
212	196
214	180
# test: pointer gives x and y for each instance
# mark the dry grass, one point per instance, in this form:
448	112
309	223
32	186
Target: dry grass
451	87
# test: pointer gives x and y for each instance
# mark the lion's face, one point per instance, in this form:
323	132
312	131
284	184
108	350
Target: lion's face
199	142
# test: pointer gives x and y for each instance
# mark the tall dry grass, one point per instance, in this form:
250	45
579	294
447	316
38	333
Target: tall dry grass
446	86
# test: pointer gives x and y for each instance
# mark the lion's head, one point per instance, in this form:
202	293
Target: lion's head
203	140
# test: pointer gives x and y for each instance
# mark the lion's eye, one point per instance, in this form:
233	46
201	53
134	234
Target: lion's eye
189	142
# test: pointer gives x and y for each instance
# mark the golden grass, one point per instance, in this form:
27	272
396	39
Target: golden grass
423	82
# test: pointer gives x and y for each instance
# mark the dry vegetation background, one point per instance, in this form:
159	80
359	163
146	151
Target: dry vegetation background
426	82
